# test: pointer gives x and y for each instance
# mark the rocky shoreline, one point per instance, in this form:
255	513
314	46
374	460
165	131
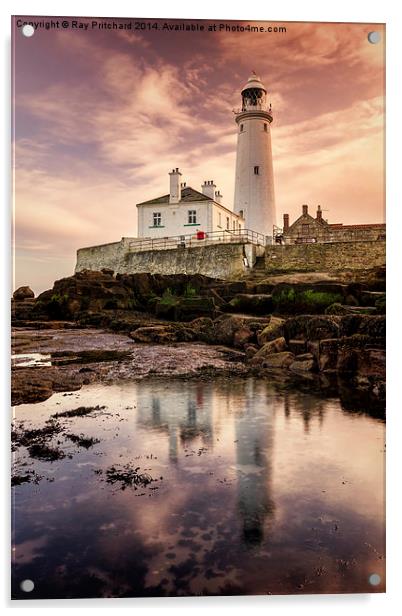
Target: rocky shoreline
97	326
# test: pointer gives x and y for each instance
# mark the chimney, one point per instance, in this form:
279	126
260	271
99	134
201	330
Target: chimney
285	223
319	214
208	189
218	196
305	210
175	194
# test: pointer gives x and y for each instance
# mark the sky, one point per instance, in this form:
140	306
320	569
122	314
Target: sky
101	116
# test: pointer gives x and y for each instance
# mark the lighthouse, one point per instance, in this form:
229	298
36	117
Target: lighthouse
254	184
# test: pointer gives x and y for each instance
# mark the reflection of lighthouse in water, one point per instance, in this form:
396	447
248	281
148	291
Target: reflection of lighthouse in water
254	435
183	419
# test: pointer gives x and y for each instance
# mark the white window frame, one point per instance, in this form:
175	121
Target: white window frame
192	217
157	219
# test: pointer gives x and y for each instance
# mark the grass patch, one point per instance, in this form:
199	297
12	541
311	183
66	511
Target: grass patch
59	299
168	298
310	301
189	291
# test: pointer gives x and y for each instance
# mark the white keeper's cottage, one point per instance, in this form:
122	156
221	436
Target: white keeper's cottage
186	211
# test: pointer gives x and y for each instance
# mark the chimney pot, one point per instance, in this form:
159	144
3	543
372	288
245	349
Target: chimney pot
208	189
175	192
285	222
305	210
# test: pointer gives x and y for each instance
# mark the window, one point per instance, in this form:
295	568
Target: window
234	225
305	229
157	219
256	170
266	127
239	227
227	223
241	214
192	217
219	219
241	127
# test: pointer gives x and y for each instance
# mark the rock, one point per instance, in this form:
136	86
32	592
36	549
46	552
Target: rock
328	354
107	271
189	308
22	310
164	310
370	310
339	309
369	298
303	363
29	390
157	333
226	327
251	350
298	347
264	288
351	300
380	305
23	293
242	336
98	292
227	290
252	304
278	360
203	329
274	346
373	326
219	302
273	330
342	309
311	327
313	347
230	354
363	365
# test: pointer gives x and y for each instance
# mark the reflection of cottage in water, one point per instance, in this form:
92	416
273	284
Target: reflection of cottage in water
254	450
188	418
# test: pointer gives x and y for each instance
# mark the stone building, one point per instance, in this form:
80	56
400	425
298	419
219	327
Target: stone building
309	229
186	211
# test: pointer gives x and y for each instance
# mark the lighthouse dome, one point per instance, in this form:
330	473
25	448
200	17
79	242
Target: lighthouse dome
254	82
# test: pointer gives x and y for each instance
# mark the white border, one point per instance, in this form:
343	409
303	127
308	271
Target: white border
297	10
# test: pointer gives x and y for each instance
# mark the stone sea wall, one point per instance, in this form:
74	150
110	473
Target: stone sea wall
220	261
227	260
325	257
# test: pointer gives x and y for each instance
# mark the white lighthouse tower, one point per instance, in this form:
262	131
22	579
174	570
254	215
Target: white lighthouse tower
254	187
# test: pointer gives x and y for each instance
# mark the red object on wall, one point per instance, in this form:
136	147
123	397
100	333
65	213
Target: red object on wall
200	235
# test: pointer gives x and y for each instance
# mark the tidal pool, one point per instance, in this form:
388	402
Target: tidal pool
256	489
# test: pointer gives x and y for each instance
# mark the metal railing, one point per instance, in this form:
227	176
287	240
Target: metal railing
242	236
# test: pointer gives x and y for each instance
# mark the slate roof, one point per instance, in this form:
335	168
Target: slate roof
188	195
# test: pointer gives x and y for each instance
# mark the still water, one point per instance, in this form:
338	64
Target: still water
257	490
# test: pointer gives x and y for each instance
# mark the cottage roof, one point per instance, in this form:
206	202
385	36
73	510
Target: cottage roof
308	219
188	195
